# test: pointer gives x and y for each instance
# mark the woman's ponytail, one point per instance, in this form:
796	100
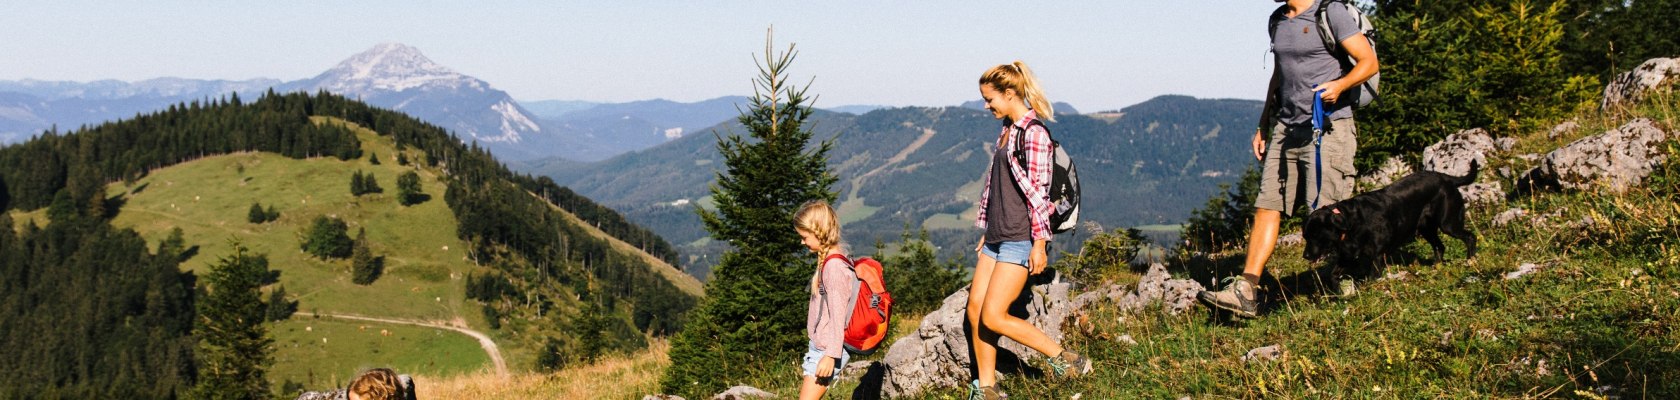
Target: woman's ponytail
1017	76
1033	93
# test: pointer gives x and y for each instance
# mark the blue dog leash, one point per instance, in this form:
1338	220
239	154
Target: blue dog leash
1318	145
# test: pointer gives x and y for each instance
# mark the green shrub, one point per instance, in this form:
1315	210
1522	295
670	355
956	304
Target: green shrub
326	238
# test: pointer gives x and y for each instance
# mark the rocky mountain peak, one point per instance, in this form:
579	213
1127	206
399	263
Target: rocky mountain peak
392	67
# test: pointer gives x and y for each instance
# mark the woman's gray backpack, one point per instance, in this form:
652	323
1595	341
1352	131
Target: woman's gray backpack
1064	180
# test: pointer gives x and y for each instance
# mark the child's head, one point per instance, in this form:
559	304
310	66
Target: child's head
1017	77
818	226
375	384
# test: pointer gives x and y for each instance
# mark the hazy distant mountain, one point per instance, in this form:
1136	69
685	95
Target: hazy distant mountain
855	109
550	109
599	131
29	106
1151	163
1061	107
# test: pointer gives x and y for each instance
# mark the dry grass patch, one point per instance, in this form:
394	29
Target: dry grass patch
628	376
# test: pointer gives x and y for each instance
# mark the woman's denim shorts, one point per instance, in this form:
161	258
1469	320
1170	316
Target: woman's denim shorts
1015	252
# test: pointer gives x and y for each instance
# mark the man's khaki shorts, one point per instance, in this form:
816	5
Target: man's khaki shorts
1288	178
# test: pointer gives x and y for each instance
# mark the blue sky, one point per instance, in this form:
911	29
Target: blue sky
1097	55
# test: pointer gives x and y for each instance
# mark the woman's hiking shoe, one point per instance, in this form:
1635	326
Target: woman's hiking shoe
977	392
1070	364
1238	298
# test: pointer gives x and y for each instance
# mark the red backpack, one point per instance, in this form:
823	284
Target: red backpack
872	312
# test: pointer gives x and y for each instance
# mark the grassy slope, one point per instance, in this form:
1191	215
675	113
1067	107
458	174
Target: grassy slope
1602	314
425	262
209	199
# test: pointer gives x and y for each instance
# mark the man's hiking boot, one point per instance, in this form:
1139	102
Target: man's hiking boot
1238	298
977	392
1070	364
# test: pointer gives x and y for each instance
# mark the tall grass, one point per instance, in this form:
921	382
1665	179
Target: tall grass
625	376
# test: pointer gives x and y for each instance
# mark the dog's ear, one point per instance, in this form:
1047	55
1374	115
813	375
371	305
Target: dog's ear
1339	219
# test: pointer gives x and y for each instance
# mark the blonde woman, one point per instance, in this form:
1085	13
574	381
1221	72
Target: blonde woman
1015	214
833	290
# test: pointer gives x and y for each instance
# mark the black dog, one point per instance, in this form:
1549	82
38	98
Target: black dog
1361	230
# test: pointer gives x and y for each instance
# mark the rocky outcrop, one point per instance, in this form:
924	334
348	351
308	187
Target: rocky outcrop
1629	87
743	393
1392	170
1452	155
937	354
1617	160
1483	193
1564	128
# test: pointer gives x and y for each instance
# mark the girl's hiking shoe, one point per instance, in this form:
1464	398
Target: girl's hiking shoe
1070	364
1238	298
977	392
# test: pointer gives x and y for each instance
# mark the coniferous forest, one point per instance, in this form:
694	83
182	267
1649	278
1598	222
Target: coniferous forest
90	311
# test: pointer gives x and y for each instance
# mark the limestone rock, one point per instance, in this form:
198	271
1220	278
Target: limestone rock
743	393
1618	160
1452	156
1483	193
1629	87
1509	216
1562	129
1505	143
1293	239
1267	353
1524	269
936	355
1392	170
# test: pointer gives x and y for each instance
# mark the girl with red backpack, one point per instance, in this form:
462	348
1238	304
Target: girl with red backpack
1015	212
833	288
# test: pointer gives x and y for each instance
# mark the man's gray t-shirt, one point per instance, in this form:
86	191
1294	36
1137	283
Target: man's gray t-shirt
1303	62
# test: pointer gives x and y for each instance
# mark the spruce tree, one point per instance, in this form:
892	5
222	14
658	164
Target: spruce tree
257	215
369	185
279	309
236	350
365	267
753	316
357	188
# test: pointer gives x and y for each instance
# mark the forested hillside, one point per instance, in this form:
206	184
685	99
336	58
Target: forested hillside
1150	163
544	263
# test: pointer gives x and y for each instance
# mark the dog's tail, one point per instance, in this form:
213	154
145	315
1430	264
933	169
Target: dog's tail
1467	178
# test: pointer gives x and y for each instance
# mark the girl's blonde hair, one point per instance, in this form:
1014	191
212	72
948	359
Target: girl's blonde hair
375	384
818	219
1016	76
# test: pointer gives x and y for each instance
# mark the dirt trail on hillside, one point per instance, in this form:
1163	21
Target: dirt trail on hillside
927	134
483	340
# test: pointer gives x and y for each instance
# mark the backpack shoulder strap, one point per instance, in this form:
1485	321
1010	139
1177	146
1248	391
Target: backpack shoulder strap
1272	21
1326	30
1021	140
